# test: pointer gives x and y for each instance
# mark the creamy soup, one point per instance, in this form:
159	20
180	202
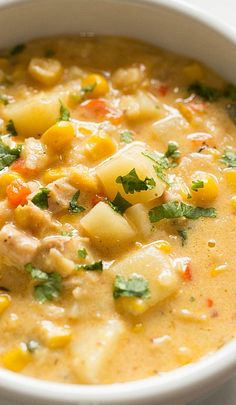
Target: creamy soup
117	211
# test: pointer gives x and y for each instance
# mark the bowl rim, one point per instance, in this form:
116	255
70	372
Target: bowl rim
199	376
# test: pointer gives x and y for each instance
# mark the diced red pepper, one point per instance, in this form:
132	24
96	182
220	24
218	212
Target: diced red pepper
97	198
188	276
17	193
210	302
98	110
19	167
163	89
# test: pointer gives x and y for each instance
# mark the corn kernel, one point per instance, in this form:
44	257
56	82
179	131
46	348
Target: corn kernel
95	85
54	174
193	72
132	305
85	131
68	219
5	180
5	301
59	136
216	271
82	179
17	358
99	147
164	246
230	175
55	337
138	327
210	188
45	71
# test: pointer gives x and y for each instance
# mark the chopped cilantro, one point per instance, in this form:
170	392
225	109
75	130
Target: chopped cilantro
204	91
229	158
230	92
7	155
177	209
64	112
172	151
96	266
66	233
134	286
73	205
192	299
4	99
196	184
89	88
11	128
49	286
82	253
126	137
17	49
184	236
49	53
161	174
160	159
131	182
119	204
41	198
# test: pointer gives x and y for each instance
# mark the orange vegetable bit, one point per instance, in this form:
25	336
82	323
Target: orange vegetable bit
97	198
162	90
98	110
199	138
187	274
210	302
19	167
17	193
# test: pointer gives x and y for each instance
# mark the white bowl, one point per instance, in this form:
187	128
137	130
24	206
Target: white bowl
183	29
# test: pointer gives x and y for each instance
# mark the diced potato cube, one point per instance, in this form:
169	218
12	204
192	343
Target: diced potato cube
93	347
121	164
55	337
33	117
141	106
17	358
156	267
138	216
106	226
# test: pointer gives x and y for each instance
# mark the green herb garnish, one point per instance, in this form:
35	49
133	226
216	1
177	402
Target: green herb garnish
119	204
204	91
196	184
134	286
64	112
229	158
82	253
73	205
89	88
230	92
50	284
17	49
7	155
96	266
131	182
11	128
4	99
172	151
126	137
178	209
184	236
41	198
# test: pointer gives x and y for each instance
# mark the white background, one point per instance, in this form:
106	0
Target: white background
226	9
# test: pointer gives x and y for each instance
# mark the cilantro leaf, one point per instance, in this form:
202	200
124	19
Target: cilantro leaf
135	286
177	209
119	204
172	150
64	112
160	159
49	286
17	49
7	155
73	205
96	266
4	99
230	92
88	88
41	198
131	182
204	91
184	235
82	253
229	158
196	184
126	137
11	128
161	174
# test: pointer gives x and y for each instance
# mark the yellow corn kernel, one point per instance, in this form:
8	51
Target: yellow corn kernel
230	175
85	131
59	136
210	188
233	202
22	217
5	180
95	85
45	71
99	147
138	327
17	358
54	174
193	72
164	246
55	337
133	305
82	179
216	271
5	301
4	63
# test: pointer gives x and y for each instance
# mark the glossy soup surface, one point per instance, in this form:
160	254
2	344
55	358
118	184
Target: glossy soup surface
117	211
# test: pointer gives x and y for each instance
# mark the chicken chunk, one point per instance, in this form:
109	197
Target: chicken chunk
34	154
16	247
61	193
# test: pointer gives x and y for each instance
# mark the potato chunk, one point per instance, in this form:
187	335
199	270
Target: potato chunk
141	106
93	347
106	226
156	267
121	164
138	216
33	117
